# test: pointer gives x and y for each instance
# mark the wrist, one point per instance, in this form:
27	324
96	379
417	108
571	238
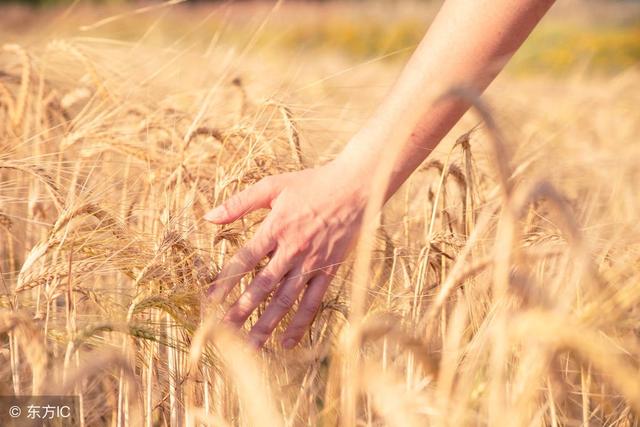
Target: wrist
350	173
358	164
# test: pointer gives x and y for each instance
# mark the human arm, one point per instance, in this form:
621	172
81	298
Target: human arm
316	213
467	45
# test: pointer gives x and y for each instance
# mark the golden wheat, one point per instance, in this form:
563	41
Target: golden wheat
499	287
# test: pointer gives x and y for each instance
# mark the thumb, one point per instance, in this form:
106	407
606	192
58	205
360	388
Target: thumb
257	196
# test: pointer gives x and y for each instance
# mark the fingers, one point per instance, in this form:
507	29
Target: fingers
259	289
242	262
257	196
280	304
309	306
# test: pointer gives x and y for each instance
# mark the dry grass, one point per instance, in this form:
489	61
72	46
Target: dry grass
503	286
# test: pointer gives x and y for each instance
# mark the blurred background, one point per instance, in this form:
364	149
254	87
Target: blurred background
334	61
595	36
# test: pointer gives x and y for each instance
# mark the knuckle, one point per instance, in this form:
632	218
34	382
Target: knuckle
284	301
243	308
308	310
259	334
264	283
272	230
300	247
278	230
234	316
294	248
247	256
296	331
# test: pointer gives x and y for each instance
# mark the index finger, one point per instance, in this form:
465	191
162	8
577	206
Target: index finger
241	263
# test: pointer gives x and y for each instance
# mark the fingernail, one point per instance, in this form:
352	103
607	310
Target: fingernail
289	343
214	214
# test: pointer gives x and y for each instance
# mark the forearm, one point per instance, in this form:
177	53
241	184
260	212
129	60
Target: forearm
467	45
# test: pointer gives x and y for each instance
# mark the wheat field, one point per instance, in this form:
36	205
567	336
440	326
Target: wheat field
502	284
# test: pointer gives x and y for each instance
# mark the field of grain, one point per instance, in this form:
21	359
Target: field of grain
501	285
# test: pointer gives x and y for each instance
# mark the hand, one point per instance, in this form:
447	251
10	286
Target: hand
315	217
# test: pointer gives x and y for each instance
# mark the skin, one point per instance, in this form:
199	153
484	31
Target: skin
316	214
